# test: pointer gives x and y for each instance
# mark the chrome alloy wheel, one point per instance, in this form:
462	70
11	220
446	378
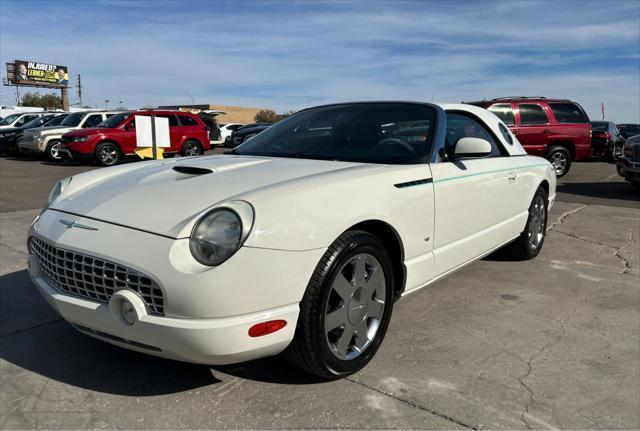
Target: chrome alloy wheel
355	306
191	149
559	162
108	154
537	222
55	151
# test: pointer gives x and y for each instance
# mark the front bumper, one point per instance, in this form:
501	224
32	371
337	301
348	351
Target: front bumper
29	145
629	169
207	313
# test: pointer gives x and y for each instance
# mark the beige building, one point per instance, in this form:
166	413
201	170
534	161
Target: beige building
234	114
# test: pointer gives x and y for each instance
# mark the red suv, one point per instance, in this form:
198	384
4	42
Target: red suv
557	129
116	137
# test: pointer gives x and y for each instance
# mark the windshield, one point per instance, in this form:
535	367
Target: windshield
55	120
389	133
35	123
72	120
628	130
599	126
115	120
10	119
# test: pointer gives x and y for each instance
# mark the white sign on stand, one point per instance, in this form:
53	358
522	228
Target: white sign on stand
152	132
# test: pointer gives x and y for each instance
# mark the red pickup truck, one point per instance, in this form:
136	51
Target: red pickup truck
557	129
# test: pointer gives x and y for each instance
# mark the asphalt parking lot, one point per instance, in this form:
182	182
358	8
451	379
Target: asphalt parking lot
543	344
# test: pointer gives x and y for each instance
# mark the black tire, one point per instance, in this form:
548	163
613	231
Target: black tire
523	248
107	154
191	148
635	184
560	158
52	152
310	348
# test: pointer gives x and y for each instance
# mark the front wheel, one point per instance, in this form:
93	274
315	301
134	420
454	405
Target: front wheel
346	308
107	154
530	241
191	148
560	158
52	152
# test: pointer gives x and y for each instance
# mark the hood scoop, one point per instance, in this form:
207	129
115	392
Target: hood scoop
192	170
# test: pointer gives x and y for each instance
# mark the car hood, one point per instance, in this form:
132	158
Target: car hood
87	131
155	197
51	130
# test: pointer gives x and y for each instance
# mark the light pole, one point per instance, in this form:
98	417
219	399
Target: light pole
106	104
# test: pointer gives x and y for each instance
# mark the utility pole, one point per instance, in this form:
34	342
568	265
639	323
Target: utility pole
65	98
106	104
79	89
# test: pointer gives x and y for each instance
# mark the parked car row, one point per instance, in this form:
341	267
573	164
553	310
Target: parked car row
103	137
557	129
10	135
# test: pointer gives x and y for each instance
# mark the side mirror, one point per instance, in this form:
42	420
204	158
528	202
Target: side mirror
129	126
471	147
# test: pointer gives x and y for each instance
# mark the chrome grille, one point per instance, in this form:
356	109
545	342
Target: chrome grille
91	277
636	153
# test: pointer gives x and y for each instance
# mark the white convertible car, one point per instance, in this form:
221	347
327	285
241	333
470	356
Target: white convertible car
299	240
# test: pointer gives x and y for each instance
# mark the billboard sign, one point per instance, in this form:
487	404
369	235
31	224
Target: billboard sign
44	74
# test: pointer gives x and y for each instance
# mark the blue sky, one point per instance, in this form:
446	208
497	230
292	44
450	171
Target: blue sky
289	55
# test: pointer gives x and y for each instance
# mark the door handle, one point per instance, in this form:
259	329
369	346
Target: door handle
512	177
546	132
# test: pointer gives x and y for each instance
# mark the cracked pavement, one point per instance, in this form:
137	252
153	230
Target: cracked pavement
543	344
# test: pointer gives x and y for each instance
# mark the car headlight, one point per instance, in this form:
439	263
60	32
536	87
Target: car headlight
221	232
79	139
58	189
627	149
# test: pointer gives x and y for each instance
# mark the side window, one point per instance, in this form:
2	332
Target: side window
504	112
20	122
461	126
568	113
532	114
505	134
187	121
173	120
92	120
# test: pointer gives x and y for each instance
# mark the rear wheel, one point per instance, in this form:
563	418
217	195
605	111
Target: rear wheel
530	241
560	158
52	152
346	308
107	154
191	148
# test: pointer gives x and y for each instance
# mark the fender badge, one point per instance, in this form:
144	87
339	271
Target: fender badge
70	224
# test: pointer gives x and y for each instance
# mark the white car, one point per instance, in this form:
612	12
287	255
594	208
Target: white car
19	119
226	130
322	222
